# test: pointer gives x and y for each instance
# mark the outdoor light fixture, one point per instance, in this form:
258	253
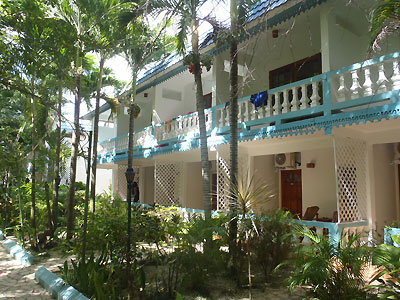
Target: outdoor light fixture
129	175
27	180
275	33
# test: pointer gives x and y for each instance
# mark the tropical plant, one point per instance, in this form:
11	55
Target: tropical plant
272	241
334	271
385	21
387	257
187	12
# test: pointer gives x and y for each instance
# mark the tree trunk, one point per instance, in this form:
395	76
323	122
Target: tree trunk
96	136
57	159
85	215
205	164
33	182
75	143
233	143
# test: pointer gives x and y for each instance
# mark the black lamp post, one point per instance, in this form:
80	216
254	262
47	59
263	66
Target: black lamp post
130	175
57	182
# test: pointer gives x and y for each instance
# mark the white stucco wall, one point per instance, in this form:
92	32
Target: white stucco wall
147	185
266	173
319	183
193	194
385	185
106	133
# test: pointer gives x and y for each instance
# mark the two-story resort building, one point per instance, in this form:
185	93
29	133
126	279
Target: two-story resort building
327	135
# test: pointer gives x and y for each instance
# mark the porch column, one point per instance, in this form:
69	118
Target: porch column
351	187
168	183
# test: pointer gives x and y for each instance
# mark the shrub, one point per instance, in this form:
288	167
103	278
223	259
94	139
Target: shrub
272	240
333	271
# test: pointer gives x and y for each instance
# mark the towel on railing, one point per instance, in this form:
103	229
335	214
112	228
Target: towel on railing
259	99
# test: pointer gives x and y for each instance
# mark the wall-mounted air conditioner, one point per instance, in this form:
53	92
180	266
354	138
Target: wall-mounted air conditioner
283	160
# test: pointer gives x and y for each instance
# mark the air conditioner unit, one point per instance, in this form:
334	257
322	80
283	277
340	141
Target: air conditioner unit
283	160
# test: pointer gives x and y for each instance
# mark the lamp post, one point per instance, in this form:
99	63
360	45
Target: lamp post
129	175
57	182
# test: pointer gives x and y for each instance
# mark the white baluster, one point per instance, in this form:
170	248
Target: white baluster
286	103
269	111
382	82
247	116
228	112
367	86
304	101
240	112
396	76
355	88
295	100
254	113
342	90
315	96
277	105
221	117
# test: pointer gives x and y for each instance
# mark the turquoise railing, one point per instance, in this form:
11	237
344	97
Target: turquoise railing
365	91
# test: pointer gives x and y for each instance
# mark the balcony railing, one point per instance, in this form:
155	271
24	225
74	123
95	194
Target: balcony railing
322	101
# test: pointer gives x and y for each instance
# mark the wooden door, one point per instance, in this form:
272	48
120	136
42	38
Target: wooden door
291	191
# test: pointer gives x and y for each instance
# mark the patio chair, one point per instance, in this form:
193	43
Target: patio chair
311	213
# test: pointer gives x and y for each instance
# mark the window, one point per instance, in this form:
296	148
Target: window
302	69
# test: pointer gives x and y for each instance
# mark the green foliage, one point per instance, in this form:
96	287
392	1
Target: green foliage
385	21
333	271
94	277
388	258
272	241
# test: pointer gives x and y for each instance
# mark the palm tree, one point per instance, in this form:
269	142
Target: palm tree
187	12
385	20
70	11
104	39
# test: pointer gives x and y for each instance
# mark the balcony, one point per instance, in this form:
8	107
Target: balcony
366	91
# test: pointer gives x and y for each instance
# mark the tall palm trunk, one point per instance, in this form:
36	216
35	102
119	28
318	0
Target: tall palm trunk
205	164
57	159
130	165
96	136
233	78
75	143
33	186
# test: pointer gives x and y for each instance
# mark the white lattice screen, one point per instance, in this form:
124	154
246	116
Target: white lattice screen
350	158
223	176
167	183
122	185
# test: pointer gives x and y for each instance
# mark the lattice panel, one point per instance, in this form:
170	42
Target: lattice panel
167	183
350	158
223	176
122	185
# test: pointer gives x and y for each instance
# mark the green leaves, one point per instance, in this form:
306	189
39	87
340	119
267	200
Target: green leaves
385	21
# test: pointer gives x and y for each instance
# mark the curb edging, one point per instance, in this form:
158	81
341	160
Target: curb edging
16	251
57	287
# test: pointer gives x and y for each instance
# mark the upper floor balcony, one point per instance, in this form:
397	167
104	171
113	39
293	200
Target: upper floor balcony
361	92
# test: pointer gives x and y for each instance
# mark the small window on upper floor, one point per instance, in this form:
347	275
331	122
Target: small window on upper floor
302	69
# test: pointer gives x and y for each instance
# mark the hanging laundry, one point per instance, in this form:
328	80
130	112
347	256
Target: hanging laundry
259	99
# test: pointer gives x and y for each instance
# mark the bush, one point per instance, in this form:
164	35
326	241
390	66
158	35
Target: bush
333	271
272	240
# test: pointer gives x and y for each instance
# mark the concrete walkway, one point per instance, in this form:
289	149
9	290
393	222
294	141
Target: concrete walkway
17	282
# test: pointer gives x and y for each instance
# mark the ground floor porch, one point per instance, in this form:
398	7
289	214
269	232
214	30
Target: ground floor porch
351	175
